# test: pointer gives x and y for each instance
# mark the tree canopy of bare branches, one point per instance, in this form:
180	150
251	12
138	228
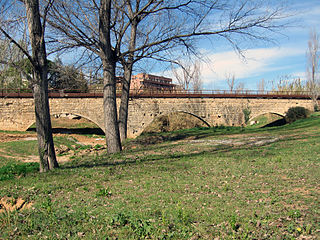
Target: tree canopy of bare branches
131	30
188	75
233	85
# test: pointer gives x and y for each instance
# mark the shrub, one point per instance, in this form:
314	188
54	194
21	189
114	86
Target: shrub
246	113
295	113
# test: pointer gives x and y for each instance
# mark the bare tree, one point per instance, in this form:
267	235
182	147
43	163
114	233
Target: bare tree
183	76
167	25
313	67
240	87
149	21
188	75
233	85
231	81
261	86
88	25
39	80
197	80
289	85
146	29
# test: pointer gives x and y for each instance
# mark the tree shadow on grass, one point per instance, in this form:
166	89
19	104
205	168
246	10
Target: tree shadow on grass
113	160
106	162
151	143
193	134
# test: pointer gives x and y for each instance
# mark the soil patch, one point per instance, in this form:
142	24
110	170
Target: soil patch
85	140
9	204
81	140
9	137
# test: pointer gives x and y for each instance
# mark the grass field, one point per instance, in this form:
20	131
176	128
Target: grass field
203	183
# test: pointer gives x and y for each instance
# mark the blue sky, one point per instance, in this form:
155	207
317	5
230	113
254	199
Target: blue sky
270	61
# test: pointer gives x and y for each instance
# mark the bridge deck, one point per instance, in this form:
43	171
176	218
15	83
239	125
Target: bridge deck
173	94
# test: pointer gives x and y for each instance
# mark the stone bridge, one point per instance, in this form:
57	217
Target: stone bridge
17	112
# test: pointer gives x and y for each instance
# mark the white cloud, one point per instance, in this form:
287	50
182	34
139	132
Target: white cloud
268	63
256	62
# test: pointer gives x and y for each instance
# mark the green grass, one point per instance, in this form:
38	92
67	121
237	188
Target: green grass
23	148
12	170
70	142
10	166
14	132
190	184
214	132
29	147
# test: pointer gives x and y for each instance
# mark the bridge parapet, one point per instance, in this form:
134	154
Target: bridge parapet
17	113
26	93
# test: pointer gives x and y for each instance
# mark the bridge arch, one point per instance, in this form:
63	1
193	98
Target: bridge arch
158	117
192	114
270	119
264	113
30	123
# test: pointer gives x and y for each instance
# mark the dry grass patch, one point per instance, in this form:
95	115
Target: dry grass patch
10	204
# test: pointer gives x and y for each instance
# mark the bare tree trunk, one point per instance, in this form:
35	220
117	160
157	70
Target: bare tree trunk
108	57
127	65
43	123
40	87
110	108
124	105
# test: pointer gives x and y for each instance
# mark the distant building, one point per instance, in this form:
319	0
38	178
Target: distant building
119	83
148	81
143	81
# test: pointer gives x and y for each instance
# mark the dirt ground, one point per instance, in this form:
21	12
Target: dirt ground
8	137
81	139
85	140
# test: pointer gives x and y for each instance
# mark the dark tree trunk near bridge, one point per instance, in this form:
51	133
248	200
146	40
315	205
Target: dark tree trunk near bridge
109	59
40	87
43	124
124	104
127	66
110	108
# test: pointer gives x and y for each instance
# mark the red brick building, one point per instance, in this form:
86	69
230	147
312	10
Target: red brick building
148	81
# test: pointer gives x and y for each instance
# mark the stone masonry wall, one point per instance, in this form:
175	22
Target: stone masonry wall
214	111
18	113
